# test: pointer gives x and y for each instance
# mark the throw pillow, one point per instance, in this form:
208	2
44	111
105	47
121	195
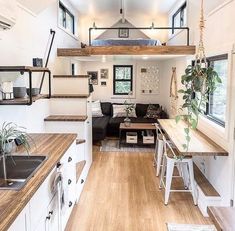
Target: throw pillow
119	111
96	109
153	112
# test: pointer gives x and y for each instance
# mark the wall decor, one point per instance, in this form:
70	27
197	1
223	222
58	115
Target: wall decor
174	93
103	84
94	77
149	77
104	73
123	33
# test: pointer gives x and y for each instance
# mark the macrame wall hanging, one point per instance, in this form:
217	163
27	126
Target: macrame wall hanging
174	93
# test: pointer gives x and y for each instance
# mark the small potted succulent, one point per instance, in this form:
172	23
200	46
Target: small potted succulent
10	133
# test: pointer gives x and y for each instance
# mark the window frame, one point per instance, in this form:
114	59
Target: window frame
180	10
207	112
122	80
66	10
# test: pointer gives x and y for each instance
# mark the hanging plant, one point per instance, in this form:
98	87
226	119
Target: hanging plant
199	81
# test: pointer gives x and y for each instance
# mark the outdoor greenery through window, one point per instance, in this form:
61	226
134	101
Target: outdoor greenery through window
179	18
122	79
66	19
216	107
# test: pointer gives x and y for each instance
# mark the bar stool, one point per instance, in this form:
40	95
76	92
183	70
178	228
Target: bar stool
170	160
158	150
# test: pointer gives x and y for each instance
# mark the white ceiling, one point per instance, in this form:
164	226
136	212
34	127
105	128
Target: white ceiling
98	7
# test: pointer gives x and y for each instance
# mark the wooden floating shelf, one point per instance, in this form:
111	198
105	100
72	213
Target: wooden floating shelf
79	167
71	76
66	118
72	96
204	184
23	101
127	50
80	141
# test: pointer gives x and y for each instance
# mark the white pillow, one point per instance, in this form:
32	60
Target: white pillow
96	109
119	111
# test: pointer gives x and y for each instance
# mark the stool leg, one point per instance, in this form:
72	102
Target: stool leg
169	175
159	157
163	172
192	183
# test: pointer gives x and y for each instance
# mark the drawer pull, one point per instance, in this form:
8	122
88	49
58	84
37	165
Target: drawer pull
58	165
70	203
48	217
51	213
70	159
82	181
69	182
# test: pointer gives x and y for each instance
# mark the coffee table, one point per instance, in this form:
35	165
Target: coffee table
135	127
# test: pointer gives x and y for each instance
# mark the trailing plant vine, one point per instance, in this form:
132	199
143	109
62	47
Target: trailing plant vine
199	82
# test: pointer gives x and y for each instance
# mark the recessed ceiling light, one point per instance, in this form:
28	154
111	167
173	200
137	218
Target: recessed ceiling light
145	57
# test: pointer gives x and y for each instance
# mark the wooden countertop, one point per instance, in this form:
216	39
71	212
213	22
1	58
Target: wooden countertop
51	145
67	118
200	144
223	218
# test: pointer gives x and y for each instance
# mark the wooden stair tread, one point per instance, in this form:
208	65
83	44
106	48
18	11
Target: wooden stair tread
71	96
222	217
69	118
70	76
204	184
24	68
79	167
80	141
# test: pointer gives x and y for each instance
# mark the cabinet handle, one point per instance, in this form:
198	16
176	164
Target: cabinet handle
70	159
70	203
51	212
58	165
48	217
82	181
69	182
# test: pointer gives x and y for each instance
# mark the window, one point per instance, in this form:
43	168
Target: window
122	79
216	106
66	19
179	18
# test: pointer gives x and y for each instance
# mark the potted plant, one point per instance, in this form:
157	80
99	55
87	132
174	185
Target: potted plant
199	81
10	133
129	107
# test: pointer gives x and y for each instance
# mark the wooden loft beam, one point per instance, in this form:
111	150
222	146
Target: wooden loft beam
127	50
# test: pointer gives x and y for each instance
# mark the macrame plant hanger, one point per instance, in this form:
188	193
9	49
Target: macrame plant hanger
201	54
174	92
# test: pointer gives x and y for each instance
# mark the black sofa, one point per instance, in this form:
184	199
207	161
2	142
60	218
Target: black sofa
109	126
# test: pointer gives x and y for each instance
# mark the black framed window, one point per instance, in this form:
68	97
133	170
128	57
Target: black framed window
179	18
66	19
122	79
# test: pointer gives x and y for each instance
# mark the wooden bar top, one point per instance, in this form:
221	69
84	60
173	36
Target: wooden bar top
223	218
200	144
54	147
138	126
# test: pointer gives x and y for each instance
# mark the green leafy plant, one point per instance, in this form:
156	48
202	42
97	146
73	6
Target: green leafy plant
198	82
129	107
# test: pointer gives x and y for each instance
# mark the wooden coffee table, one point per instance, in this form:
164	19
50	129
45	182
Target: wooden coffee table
134	127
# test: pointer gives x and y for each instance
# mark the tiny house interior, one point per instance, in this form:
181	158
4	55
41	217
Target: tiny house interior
117	115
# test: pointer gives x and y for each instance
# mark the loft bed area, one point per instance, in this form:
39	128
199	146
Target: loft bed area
127	39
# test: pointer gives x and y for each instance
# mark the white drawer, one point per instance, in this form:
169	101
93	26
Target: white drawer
131	137
148	139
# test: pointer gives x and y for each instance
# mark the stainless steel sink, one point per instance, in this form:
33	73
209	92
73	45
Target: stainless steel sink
19	170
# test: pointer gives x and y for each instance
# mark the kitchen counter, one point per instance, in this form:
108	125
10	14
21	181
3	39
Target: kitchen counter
54	147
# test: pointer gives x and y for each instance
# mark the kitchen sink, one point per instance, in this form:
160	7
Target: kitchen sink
19	170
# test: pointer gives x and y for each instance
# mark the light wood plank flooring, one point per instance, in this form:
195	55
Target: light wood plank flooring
121	194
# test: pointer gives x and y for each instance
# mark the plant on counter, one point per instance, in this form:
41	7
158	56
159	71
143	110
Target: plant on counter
10	133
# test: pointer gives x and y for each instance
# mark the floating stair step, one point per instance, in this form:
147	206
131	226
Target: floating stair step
80	141
79	167
204	184
71	76
71	96
66	118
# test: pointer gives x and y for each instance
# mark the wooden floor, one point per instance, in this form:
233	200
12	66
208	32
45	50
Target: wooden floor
121	194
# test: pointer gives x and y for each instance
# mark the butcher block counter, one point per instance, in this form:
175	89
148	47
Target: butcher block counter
54	147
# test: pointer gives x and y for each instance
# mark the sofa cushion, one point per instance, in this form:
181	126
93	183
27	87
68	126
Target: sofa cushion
120	111
96	109
153	112
99	127
141	109
106	108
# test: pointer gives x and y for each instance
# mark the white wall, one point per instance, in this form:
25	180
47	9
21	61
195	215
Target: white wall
106	93
27	39
219	39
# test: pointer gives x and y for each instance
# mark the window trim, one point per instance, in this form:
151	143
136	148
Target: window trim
122	80
66	10
206	113
180	10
